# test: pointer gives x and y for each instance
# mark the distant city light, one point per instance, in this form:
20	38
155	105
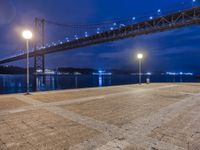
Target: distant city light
133	18
179	73
159	10
111	28
98	30
114	24
150	17
100	71
189	74
67	39
122	25
86	34
149	73
76	37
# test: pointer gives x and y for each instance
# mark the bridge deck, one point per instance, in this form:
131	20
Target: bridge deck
155	116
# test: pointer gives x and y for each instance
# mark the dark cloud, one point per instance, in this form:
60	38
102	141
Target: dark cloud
7	12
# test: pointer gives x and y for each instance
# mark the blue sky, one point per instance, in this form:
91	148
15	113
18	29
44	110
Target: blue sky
176	50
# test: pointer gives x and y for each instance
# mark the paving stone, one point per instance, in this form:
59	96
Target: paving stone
41	129
10	102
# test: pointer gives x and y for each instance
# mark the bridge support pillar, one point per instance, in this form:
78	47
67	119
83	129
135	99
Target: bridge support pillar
39	61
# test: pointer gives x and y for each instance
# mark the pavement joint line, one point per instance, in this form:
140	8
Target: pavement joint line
115	144
36	103
187	93
74	101
78	100
28	100
17	110
128	86
84	120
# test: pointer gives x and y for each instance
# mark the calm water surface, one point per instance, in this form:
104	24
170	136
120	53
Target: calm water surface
17	83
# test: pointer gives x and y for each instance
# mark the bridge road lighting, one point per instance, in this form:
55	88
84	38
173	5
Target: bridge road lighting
159	11
27	35
140	57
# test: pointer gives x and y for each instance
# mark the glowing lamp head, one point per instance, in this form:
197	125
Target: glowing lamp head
27	34
140	56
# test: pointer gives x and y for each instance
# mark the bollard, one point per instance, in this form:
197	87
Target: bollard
147	80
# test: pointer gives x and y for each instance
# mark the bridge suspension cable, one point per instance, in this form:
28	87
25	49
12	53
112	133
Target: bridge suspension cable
160	11
76	31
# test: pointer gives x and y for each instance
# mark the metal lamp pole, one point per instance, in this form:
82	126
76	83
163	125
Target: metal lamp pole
140	56
27	66
27	35
140	66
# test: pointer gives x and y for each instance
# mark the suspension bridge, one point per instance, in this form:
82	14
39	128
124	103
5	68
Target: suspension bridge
119	30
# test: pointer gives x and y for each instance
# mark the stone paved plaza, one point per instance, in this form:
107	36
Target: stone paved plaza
131	117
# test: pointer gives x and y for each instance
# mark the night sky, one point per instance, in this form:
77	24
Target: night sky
176	50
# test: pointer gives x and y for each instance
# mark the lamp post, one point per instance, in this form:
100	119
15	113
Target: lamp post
140	57
27	35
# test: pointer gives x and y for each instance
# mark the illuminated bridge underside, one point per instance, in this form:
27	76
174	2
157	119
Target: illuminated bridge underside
160	24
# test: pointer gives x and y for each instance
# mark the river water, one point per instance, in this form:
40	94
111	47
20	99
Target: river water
17	83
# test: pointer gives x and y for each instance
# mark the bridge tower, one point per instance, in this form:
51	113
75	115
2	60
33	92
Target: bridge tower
39	60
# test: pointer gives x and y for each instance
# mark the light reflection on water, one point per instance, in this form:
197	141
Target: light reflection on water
17	83
100	81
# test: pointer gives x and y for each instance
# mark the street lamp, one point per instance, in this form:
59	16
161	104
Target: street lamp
140	57
27	35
